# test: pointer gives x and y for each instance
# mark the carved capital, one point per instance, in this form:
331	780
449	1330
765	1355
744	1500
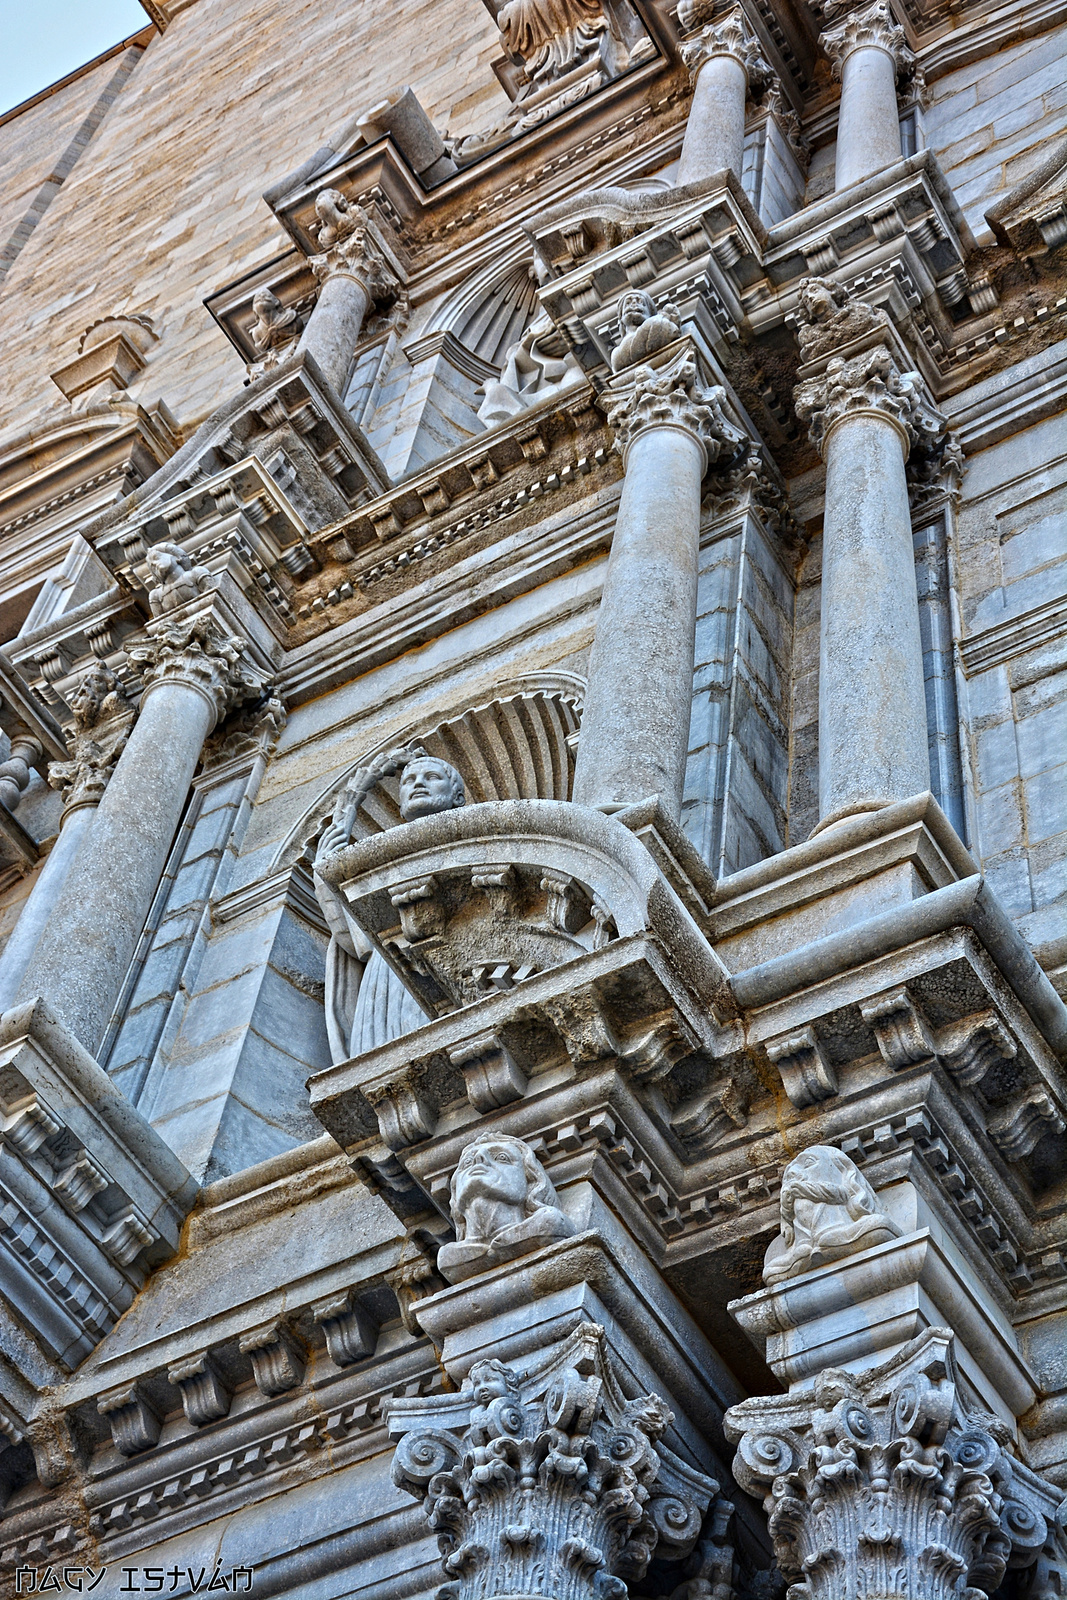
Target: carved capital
103	718
731	35
885	1482
199	652
672	396
347	247
869	383
557	1486
873	28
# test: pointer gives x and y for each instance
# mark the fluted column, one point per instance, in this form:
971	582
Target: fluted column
635	726
102	721
724	63
865	416
194	671
352	274
867	51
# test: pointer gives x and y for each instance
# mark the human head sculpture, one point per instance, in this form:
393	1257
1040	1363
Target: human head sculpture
429	785
828	1210
818	299
178	578
491	1380
642	329
503	1205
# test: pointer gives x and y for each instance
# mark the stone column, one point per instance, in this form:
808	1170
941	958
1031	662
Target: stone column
352	275
194	673
867	51
102	720
724	63
865	416
635	726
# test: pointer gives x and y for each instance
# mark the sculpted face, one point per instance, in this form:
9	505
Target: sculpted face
490	1381
491	1171
634	309
426	787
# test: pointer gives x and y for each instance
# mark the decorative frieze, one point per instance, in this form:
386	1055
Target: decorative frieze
886	1483
550	1483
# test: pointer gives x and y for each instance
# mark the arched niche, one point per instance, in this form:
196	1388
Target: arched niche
491	310
518	746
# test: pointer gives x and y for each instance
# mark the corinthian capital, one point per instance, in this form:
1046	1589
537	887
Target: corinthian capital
869	382
672	396
731	36
889	1473
347	245
200	652
873	28
102	720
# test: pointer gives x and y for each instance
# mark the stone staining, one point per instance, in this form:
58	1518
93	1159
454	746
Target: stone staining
829	1210
503	1206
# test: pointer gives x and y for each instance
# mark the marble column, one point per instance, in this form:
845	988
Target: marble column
102	720
865	416
635	726
724	63
194	672
352	275
867	51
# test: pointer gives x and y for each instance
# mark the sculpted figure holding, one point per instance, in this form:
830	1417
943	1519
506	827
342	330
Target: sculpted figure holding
503	1205
177	580
366	1003
642	330
829	1210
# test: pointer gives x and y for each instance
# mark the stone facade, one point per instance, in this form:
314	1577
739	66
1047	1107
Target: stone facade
533	804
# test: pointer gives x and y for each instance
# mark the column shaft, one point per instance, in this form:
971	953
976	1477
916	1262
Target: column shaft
635	727
48	886
334	327
868	128
715	132
83	954
872	701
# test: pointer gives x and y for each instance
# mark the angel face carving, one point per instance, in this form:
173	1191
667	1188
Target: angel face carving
829	1210
503	1205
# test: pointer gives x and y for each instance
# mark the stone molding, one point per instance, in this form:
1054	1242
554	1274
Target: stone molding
874	28
198	652
551	1483
733	36
886	1483
671	395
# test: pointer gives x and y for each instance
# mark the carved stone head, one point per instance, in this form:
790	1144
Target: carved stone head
829	1210
819	298
503	1205
429	785
177	577
642	330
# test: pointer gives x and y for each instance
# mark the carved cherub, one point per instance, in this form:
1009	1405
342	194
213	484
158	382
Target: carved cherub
503	1205
642	330
177	579
829	1210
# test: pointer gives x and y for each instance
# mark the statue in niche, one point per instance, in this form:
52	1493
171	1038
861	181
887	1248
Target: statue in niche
642	329
829	1210
538	365
177	579
503	1206
366	1003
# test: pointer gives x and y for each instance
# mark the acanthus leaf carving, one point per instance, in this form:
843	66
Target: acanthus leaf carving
873	27
672	396
347	245
197	650
103	718
730	35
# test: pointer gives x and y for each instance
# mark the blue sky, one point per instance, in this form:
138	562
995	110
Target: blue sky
42	40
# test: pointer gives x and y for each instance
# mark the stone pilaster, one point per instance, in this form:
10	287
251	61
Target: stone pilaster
886	1484
866	416
868	53
725	63
669	427
353	274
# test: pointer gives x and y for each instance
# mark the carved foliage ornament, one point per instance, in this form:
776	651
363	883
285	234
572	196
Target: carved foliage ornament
555	1486
874	28
347	246
102	720
198	651
865	383
732	36
883	1484
672	396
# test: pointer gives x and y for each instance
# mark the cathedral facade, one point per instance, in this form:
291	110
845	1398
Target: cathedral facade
533	805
